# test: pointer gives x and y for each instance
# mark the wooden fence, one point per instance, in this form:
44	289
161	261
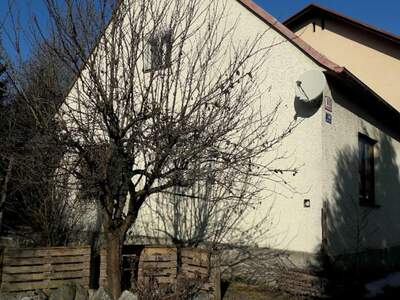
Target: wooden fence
165	265
195	263
158	263
50	268
44	268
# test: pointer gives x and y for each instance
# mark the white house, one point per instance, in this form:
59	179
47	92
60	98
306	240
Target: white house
347	146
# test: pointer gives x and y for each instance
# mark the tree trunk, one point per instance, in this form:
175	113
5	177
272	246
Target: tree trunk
114	256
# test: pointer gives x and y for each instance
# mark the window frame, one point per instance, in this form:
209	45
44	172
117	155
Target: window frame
160	43
366	170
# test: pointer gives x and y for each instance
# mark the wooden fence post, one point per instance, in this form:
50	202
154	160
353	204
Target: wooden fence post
1	265
103	268
217	278
47	272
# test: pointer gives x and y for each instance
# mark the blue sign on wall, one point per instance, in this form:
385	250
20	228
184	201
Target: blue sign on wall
328	118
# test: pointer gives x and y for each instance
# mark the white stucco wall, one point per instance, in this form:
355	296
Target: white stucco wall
293	227
379	226
326	155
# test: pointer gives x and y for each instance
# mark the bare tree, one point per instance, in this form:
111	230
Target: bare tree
34	197
237	230
167	99
39	204
5	165
3	84
209	216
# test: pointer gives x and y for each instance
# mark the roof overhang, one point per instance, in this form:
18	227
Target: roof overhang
365	98
313	10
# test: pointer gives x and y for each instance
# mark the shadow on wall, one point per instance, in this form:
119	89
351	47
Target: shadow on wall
304	109
362	240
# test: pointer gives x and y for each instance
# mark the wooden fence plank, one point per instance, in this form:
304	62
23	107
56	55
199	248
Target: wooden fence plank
70	259
29	286
71	267
17	252
159	250
72	274
70	252
44	252
195	261
159	264
159	257
23	277
14	261
23	269
194	269
60	282
22	286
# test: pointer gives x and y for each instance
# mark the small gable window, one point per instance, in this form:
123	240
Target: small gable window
366	147
158	52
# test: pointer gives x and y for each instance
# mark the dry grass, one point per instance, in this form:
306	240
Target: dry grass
237	291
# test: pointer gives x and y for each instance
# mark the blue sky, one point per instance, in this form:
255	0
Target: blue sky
383	14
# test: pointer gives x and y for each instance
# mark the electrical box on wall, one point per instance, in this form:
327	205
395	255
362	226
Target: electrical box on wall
307	203
328	104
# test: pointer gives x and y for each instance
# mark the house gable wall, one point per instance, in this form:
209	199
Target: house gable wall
292	226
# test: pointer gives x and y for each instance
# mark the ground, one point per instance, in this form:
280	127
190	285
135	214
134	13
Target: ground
237	291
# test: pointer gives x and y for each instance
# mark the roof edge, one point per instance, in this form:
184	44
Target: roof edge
392	115
301	15
347	74
292	37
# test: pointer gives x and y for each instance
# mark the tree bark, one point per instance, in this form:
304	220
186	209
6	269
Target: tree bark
113	264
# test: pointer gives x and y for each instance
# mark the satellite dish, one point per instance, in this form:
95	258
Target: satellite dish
310	86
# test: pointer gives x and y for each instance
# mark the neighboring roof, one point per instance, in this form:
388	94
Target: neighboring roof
314	10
